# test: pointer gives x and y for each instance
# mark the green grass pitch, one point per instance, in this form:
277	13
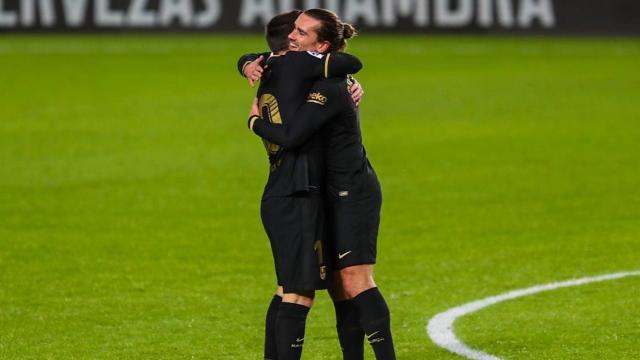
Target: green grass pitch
130	187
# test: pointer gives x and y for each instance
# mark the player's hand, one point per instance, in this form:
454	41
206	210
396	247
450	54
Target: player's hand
357	92
254	108
253	71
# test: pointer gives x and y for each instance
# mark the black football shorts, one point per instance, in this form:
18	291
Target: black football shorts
295	227
353	219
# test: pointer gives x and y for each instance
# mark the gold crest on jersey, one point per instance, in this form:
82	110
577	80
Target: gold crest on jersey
317	98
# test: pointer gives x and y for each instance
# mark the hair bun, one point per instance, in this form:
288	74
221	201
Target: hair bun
348	31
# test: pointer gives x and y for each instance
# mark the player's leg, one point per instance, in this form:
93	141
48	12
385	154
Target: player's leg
290	323
358	285
270	345
269	211
350	332
298	267
355	220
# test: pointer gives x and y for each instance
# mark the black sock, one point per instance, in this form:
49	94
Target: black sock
270	347
290	330
374	317
350	332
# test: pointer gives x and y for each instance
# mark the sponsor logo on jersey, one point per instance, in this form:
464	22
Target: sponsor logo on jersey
317	98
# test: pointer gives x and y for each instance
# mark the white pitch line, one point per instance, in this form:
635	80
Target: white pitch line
440	327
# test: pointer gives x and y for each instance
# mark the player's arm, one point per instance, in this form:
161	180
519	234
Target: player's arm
245	60
251	66
336	64
317	66
322	104
340	64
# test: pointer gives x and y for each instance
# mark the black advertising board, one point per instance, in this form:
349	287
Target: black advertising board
568	17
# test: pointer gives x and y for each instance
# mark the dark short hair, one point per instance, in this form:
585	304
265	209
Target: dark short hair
279	28
332	29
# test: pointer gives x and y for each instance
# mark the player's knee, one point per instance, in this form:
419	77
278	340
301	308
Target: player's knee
304	298
355	288
355	280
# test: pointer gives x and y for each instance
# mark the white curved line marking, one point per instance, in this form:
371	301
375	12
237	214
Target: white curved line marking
440	327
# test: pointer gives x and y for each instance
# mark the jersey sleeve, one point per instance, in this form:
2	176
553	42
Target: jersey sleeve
322	104
340	64
248	58
318	66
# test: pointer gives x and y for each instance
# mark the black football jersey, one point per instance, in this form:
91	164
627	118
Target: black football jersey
284	87
329	111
